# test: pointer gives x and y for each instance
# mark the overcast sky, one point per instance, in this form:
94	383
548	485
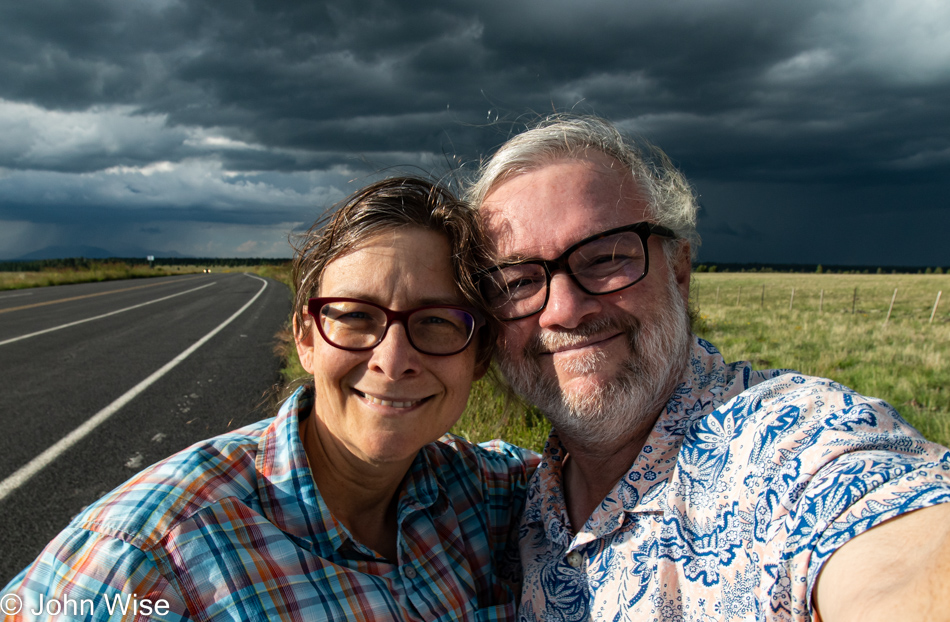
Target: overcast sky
815	131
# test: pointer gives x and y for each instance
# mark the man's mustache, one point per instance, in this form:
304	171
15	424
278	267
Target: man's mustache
548	341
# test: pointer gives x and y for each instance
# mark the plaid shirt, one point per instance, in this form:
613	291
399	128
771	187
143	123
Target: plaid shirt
746	485
233	528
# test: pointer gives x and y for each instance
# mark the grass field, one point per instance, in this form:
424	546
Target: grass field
905	361
833	326
101	271
107	270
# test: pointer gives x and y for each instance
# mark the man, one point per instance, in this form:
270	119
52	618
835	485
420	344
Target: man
675	486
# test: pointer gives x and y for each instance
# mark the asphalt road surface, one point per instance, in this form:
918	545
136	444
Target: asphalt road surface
85	406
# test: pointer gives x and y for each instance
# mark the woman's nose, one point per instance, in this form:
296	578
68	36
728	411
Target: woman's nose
394	356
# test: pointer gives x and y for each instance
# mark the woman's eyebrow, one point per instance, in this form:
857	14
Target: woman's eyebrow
452	300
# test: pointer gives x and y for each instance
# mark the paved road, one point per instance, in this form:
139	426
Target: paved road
53	382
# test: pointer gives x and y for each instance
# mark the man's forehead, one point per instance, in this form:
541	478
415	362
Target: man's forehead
545	210
512	240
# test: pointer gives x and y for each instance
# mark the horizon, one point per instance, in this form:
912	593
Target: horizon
697	266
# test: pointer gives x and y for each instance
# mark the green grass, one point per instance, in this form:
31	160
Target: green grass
278	272
493	414
905	362
87	271
98	271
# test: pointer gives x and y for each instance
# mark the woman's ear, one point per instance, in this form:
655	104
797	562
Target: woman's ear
303	338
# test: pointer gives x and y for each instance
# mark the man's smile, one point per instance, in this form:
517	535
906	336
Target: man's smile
582	344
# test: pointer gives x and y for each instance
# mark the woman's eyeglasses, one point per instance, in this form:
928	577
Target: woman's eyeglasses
353	324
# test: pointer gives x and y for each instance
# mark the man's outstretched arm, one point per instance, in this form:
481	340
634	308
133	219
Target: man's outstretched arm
898	570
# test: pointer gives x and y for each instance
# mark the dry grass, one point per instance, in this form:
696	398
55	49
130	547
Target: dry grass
105	271
905	362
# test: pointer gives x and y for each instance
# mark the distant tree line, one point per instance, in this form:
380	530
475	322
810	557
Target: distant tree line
819	269
82	263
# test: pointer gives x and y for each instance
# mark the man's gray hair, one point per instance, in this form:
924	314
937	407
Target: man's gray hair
671	199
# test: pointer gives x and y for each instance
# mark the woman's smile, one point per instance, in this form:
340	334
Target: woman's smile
394	402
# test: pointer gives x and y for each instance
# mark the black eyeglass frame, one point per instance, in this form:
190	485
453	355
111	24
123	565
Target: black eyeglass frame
315	304
643	229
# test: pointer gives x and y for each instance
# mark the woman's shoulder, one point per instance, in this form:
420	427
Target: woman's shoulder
494	475
491	457
143	509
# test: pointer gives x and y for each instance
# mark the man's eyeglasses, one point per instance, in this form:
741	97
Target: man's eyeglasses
353	324
601	264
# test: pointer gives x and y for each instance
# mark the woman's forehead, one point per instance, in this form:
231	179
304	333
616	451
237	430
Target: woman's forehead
405	264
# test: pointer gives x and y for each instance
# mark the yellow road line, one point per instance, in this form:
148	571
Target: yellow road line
53	302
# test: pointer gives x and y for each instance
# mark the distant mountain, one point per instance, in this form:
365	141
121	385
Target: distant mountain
61	252
90	252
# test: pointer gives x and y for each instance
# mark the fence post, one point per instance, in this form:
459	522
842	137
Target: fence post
890	308
762	304
738	295
791	300
854	300
821	300
717	295
934	312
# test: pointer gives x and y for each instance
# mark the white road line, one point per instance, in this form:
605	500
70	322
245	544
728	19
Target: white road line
31	468
99	317
5	296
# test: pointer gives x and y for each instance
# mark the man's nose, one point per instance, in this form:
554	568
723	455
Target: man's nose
568	305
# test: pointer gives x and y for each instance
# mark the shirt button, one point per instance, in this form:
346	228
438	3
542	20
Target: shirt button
574	559
410	572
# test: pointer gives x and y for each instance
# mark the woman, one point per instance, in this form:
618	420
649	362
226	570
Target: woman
345	506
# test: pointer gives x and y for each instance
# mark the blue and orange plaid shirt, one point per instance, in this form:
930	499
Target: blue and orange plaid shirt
234	528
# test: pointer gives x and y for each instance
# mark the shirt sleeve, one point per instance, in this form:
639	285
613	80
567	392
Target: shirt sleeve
84	575
508	469
862	465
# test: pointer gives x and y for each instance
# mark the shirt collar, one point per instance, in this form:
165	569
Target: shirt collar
288	493
289	496
421	489
707	384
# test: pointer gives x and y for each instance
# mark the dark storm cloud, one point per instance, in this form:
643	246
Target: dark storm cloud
248	111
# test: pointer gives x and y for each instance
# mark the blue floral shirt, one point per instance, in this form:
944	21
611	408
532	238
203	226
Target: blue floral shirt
747	483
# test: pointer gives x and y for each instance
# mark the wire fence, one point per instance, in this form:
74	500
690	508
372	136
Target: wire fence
889	301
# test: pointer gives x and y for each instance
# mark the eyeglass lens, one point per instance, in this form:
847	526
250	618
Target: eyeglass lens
600	266
432	330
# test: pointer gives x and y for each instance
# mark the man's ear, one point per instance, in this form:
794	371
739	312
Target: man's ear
303	338
683	269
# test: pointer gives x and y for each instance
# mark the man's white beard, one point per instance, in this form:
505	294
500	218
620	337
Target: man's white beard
633	398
